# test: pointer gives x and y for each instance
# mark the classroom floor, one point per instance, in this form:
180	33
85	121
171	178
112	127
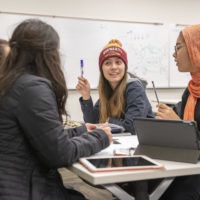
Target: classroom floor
90	192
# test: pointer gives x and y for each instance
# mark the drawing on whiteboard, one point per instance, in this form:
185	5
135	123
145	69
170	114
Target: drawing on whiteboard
149	47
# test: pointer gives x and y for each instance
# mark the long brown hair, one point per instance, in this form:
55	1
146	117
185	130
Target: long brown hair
34	49
111	101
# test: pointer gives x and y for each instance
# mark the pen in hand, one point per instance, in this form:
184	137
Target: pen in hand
82	68
155	92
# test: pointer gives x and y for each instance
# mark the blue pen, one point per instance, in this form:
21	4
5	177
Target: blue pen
82	68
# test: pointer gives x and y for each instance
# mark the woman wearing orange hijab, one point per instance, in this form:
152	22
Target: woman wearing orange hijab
187	58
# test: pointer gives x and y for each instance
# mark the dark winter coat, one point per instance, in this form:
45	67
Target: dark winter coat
136	105
33	143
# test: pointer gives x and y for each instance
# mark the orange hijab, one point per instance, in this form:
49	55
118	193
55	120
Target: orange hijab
191	36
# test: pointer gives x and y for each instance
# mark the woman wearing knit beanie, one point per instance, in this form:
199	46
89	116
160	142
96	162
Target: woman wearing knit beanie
187	58
120	99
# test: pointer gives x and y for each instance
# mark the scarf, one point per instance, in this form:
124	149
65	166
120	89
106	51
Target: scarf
191	36
194	89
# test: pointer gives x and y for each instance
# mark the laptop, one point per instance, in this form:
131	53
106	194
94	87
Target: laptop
175	140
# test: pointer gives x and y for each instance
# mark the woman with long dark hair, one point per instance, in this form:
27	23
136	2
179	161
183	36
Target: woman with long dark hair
33	142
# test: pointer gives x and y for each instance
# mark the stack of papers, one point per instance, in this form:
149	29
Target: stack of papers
120	144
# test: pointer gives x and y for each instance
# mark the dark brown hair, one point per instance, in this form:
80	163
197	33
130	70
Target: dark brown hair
34	49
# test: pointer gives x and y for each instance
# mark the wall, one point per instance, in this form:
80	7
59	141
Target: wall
171	11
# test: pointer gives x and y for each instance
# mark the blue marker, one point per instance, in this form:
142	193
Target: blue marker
82	68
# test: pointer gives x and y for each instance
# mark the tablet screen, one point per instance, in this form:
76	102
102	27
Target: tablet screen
120	162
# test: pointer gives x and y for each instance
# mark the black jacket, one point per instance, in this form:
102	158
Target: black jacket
33	143
180	107
136	105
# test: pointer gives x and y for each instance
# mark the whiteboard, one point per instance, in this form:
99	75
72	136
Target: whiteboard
148	47
177	79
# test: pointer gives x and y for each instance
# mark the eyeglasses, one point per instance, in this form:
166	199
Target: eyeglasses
177	47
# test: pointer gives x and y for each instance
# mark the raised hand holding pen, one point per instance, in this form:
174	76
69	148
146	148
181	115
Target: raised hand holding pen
83	87
166	112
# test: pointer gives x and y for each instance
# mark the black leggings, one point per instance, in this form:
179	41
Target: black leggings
72	194
183	188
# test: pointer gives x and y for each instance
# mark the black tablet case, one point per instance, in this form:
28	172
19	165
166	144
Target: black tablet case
174	140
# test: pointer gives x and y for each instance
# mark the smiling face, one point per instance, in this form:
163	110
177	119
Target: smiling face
113	70
181	56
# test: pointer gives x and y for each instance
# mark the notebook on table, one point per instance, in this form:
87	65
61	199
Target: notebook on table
175	140
115	129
